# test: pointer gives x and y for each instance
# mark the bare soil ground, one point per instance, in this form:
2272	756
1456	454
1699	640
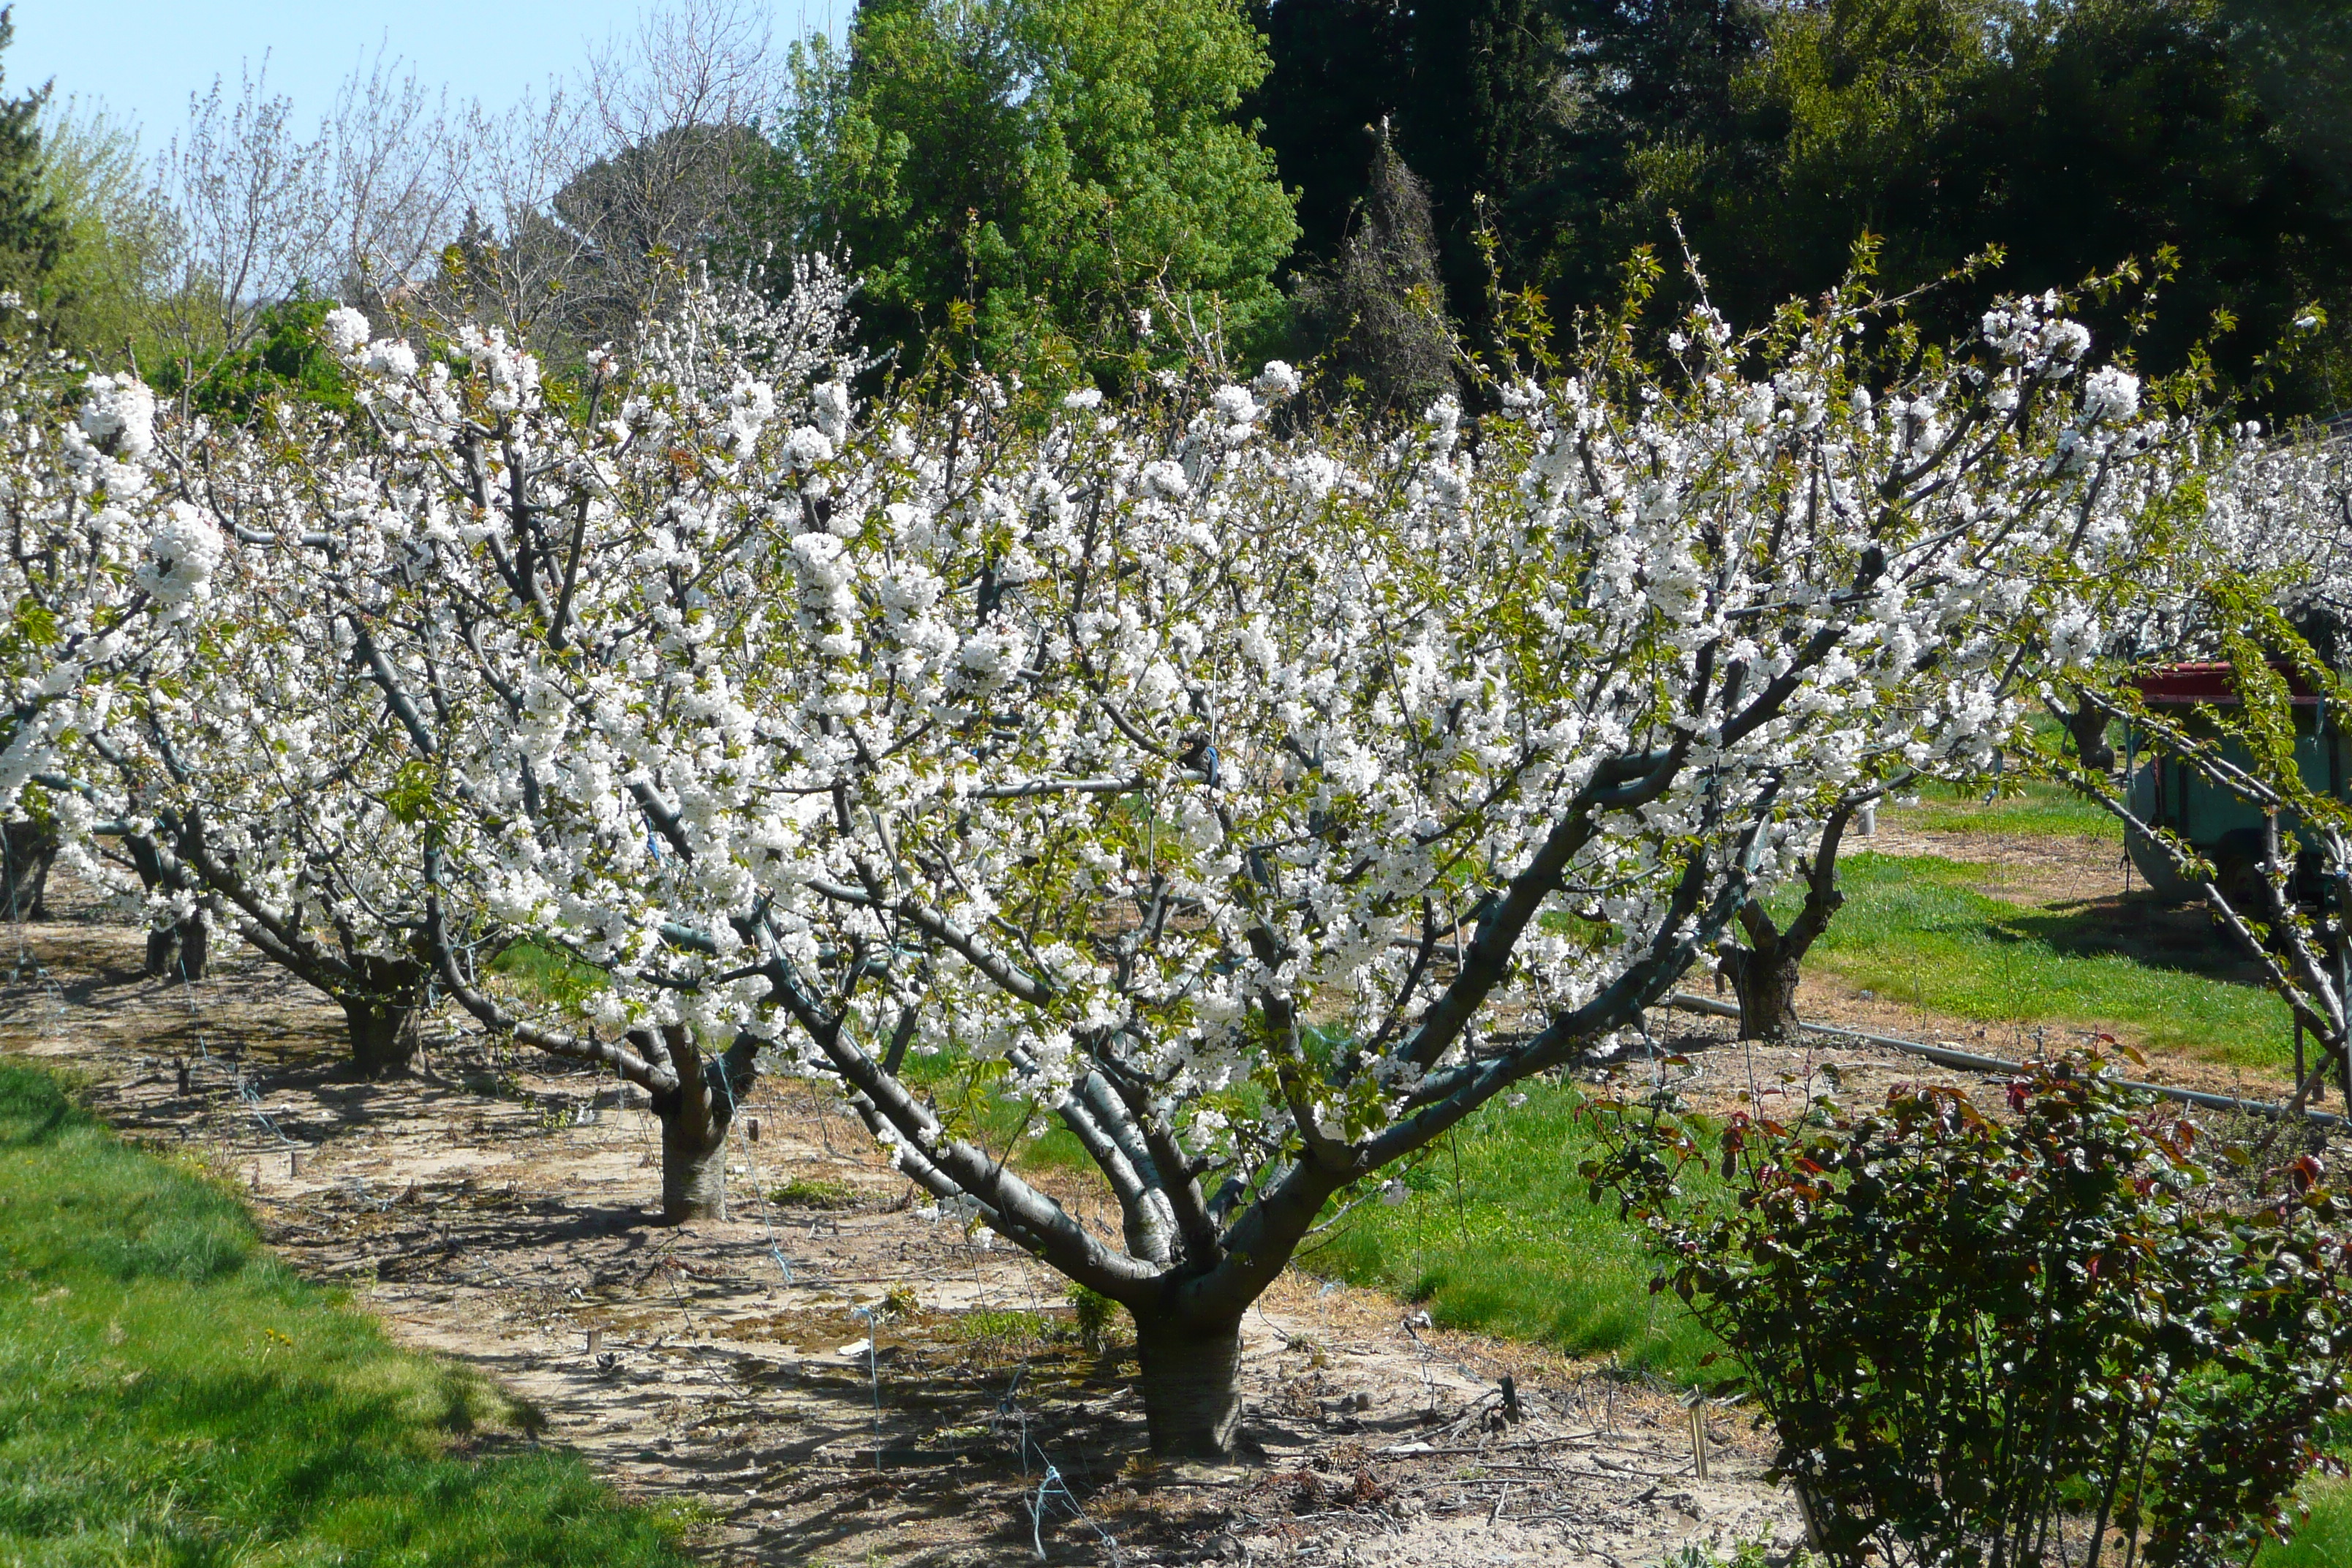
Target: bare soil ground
773	1373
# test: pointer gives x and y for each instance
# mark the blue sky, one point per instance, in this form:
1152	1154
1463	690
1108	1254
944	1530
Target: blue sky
142	58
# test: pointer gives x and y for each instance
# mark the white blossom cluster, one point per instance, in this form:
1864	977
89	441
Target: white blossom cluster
104	560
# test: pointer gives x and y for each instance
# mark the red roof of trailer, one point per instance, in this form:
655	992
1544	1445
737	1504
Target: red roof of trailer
2181	684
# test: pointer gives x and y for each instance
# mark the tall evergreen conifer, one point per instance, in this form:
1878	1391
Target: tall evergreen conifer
32	231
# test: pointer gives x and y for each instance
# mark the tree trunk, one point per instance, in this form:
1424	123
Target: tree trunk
27	849
383	1044
694	1117
693	1172
1765	979
2087	727
1765	972
181	951
1191	1386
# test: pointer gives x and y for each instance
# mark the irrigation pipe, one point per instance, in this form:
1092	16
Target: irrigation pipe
1972	1063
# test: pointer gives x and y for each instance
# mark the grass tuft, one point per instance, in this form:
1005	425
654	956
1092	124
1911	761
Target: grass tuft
171	1393
2324	1539
815	1193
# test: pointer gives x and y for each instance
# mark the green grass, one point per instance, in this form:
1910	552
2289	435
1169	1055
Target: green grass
1913	931
2326	1539
2036	810
1514	1249
169	1393
814	1193
551	975
1497	1236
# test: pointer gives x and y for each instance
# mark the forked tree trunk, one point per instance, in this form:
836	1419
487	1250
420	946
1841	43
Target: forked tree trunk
1765	973
27	850
1191	1385
181	951
1764	977
694	1117
382	1018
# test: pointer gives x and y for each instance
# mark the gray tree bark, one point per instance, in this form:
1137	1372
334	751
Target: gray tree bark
27	850
381	1019
1190	1384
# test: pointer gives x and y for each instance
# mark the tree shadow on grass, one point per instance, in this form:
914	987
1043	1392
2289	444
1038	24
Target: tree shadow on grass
2138	927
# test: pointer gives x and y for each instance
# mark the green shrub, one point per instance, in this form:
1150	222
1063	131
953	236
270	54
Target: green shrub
1986	1343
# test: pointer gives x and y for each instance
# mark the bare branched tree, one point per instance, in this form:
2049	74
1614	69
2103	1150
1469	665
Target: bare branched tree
393	168
242	181
678	115
559	220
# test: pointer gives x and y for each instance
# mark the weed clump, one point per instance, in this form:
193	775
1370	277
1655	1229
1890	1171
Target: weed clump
1094	1313
813	1193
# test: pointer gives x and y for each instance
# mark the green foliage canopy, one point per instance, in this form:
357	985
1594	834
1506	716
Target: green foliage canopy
32	232
1036	170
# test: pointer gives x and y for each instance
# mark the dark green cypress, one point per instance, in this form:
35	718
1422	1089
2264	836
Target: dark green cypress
1341	71
32	231
1482	121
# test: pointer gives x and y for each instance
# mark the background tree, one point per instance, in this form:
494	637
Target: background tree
1490	95
1057	165
119	236
32	229
2072	135
1338	71
1474	96
1376	312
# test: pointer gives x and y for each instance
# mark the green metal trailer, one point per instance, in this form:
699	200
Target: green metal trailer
2166	792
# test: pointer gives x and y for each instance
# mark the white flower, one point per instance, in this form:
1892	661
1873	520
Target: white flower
1275	381
1084	398
831	407
347	330
2110	392
1165	481
181	557
1235	405
118	415
392	357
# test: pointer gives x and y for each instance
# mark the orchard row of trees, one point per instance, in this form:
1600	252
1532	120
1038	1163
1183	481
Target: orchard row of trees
1253	794
988	691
